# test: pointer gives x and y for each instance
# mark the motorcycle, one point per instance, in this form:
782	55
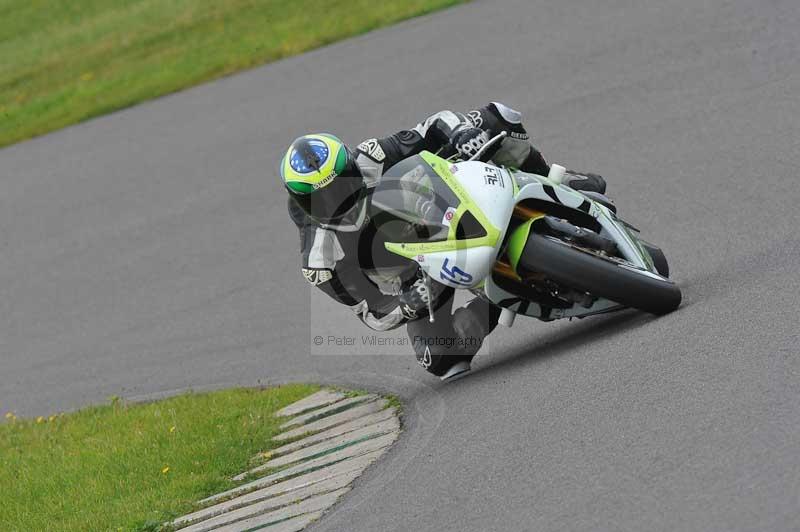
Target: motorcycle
525	242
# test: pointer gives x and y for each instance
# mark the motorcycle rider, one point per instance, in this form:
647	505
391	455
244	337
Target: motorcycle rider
329	188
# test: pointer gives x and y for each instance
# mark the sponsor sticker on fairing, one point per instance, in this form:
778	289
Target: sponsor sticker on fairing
448	216
492	177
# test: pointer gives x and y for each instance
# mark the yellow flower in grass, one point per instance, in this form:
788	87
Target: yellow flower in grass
40	419
165	470
10	415
51	419
172	429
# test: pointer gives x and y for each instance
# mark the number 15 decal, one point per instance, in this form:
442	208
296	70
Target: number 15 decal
455	274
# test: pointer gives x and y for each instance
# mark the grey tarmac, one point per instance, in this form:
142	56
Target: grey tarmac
149	251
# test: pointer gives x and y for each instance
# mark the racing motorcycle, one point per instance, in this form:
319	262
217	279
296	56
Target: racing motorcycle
525	242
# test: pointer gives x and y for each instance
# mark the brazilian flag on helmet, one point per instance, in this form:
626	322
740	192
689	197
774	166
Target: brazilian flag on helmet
321	175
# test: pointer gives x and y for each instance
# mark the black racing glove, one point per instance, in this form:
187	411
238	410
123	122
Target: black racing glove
414	300
468	140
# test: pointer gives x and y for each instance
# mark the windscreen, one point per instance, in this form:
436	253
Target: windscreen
412	203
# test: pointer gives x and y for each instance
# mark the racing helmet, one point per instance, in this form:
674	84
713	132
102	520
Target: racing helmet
322	177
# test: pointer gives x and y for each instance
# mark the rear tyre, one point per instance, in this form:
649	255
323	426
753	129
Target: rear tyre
583	270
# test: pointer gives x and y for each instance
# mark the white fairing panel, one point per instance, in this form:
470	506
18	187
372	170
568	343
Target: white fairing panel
463	268
532	186
490	188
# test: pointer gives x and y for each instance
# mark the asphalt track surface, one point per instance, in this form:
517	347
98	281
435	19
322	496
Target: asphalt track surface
149	251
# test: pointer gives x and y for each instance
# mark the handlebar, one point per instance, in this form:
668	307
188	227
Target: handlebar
490	142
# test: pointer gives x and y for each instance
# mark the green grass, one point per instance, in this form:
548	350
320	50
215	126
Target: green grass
62	62
130	467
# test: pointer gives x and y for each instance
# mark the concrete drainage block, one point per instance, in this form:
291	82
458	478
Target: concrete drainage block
340	437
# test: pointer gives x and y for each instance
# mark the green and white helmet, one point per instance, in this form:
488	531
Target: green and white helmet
321	174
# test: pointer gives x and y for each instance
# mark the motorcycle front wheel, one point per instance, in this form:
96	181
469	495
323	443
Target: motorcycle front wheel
602	276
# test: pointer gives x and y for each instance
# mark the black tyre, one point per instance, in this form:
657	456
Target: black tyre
583	270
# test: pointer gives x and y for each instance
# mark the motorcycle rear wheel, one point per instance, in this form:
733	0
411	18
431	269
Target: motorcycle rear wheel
602	276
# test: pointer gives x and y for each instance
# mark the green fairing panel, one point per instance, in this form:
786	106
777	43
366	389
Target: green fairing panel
517	241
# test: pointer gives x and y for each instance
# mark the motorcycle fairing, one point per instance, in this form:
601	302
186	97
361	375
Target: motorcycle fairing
447	260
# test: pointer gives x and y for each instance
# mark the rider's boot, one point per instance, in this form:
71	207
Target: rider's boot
591	185
584	182
471	323
535	164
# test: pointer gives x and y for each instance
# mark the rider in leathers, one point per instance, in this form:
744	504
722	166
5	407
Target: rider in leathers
334	254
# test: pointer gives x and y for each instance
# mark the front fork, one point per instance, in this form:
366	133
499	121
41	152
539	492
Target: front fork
517	240
516	244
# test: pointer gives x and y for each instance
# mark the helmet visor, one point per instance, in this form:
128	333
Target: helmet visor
332	203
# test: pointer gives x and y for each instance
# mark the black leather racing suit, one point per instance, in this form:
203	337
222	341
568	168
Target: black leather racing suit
341	262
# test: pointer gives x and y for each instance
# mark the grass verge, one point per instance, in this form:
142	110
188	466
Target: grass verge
132	466
64	62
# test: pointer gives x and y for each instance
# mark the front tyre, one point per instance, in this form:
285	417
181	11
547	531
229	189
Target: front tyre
603	277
